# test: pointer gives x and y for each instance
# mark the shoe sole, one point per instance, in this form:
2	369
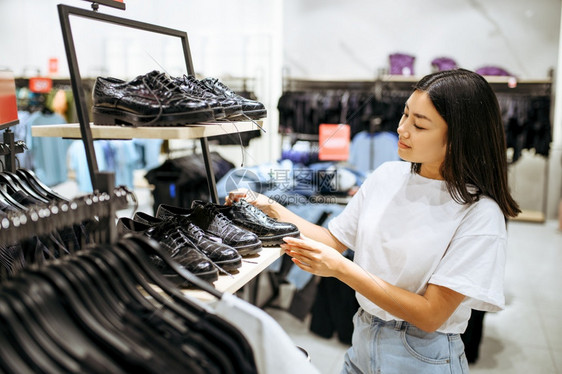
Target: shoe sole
250	249
229	265
116	117
274	240
252	114
233	110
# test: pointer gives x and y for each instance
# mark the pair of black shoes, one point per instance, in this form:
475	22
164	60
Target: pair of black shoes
244	215
216	226
186	244
236	107
241	225
156	99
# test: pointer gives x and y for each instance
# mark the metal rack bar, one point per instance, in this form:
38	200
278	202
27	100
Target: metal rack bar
65	12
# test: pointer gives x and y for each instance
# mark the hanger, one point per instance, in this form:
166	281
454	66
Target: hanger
23	185
6	198
12	186
62	290
205	338
150	247
51	352
42	189
64	332
120	253
32	351
127	320
10	359
109	257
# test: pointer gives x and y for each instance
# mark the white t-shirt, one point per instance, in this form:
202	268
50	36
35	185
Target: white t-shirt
408	230
274	351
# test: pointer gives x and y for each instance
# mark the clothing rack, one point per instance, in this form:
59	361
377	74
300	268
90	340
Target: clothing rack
387	86
43	219
9	148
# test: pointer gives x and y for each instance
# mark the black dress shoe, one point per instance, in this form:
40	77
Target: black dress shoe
229	107
153	99
252	109
269	231
178	247
216	226
221	254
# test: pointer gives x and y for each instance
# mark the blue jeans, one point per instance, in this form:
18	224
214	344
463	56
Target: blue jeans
398	347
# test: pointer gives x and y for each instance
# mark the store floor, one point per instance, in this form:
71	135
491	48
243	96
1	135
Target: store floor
524	338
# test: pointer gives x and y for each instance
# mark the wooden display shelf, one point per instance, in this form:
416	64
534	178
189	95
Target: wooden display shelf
200	130
530	216
251	267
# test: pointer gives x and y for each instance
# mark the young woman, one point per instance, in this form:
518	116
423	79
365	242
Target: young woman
429	234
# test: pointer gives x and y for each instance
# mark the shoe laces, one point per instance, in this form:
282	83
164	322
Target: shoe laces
194	81
218	216
256	211
195	230
224	88
160	85
172	232
198	233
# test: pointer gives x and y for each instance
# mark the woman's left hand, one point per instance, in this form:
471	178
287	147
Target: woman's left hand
314	257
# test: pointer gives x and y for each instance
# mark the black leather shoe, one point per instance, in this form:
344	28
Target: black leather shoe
153	99
251	108
179	248
269	231
229	108
221	254
216	225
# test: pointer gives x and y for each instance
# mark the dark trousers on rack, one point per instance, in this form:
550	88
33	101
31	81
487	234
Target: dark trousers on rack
472	337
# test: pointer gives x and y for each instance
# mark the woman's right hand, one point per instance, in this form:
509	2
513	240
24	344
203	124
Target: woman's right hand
258	200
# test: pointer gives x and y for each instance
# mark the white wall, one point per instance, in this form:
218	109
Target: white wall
330	38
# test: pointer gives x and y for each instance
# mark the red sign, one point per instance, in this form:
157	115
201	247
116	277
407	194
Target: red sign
40	84
53	65
333	142
8	102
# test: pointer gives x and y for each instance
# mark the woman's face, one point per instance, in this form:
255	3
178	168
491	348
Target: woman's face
422	135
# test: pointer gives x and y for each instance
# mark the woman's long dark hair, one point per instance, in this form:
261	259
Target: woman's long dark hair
476	148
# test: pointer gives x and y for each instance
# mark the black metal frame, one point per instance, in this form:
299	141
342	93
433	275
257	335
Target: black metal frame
65	12
110	3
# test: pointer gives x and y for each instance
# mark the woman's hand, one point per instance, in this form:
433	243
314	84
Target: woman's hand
258	200
314	257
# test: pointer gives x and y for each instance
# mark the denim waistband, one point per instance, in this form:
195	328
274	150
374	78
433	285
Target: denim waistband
396	324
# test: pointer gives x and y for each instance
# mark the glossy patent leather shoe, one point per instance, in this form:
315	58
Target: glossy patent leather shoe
216	226
221	254
269	231
153	99
174	241
227	108
251	109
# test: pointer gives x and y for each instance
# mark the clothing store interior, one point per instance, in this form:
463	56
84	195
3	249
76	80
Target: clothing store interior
127	124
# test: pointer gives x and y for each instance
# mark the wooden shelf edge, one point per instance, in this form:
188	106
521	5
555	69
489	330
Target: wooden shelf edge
251	267
530	216
72	131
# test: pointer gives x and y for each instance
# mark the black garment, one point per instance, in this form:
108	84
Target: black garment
473	335
527	123
333	308
181	180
